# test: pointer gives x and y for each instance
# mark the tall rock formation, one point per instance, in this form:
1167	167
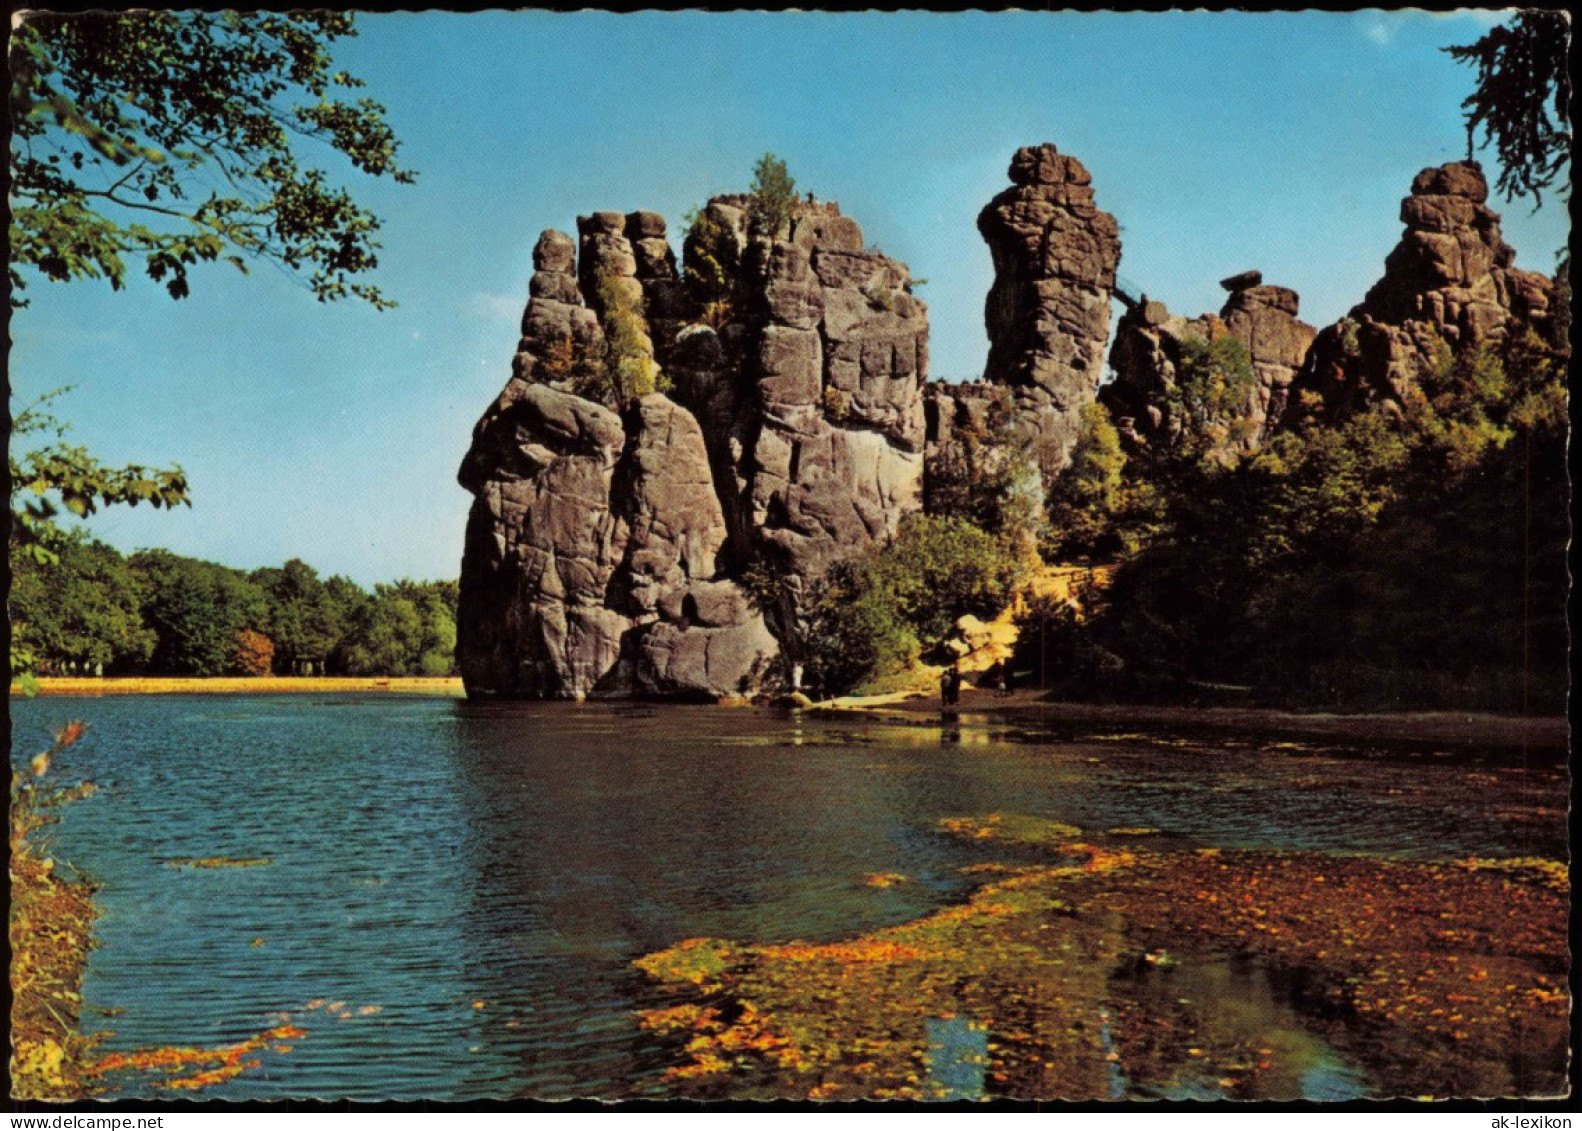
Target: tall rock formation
1048	312
1147	354
606	540
1451	281
613	527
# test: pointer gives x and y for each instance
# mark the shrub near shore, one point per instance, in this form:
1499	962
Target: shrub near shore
50	932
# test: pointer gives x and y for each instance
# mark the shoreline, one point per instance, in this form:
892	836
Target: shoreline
243	685
978	707
1026	708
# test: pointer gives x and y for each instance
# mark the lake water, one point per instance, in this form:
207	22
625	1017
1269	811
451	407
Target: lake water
469	883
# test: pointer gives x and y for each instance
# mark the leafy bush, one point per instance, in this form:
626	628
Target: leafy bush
711	266
1213	388
837	404
1097	512
569	364
987	476
628	369
876	613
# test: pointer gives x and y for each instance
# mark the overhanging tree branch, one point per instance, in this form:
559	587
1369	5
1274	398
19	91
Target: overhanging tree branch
1522	77
156	107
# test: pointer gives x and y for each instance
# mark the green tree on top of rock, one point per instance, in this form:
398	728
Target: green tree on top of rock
772	199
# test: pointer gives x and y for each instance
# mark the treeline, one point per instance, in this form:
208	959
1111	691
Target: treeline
1383	559
92	610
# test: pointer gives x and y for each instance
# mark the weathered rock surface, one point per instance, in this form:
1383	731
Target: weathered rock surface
1048	313
1451	281
591	555
837	459
541	545
1148	349
663	497
556	324
604	547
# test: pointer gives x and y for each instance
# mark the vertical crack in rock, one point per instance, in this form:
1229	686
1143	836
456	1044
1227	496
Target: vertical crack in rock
840	362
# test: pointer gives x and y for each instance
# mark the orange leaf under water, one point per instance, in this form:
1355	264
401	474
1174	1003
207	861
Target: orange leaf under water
228	1061
70	733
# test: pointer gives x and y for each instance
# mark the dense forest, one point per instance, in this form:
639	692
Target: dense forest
92	610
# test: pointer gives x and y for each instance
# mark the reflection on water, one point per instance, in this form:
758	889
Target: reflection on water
1217	1028
957	1053
485	874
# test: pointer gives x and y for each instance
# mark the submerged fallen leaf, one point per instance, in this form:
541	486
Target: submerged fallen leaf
70	733
885	879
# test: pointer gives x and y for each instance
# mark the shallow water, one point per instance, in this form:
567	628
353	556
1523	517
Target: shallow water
468	883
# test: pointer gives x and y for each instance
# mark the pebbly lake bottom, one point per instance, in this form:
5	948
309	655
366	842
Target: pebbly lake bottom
446	901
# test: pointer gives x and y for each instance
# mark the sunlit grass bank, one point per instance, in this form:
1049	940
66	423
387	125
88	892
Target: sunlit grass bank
235	685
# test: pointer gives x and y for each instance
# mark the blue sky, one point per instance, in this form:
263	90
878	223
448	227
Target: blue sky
1221	142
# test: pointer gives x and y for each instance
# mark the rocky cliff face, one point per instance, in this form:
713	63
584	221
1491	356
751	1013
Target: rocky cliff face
1148	351
606	541
1047	314
1451	280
